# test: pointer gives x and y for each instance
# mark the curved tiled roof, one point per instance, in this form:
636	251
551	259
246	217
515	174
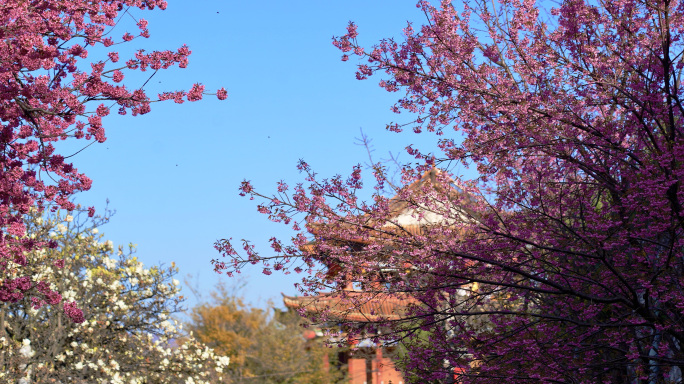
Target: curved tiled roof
354	306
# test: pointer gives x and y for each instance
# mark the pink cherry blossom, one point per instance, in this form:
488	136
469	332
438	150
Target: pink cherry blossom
50	94
562	262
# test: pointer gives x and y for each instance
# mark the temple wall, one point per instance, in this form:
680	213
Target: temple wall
382	370
357	371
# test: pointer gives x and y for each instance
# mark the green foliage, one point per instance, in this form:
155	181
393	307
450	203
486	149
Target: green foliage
264	346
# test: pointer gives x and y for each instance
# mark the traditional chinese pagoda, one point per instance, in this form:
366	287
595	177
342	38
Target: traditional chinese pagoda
369	362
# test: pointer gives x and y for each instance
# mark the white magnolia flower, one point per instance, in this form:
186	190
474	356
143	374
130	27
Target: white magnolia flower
69	295
109	263
98	360
224	360
122	305
116	379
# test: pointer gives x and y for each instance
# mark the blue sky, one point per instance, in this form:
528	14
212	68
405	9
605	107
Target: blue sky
172	175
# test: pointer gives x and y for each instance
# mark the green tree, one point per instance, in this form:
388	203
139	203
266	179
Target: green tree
264	346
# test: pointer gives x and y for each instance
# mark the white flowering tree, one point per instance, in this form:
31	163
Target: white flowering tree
128	335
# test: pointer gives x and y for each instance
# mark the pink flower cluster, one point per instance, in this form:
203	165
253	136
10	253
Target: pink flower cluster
73	312
45	96
563	261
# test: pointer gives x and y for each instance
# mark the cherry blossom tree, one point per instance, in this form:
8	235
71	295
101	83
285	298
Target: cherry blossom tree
563	261
49	93
130	335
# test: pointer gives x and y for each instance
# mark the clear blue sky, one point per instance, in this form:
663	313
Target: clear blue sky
172	175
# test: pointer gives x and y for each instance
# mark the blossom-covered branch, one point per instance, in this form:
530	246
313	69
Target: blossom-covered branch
563	261
48	94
